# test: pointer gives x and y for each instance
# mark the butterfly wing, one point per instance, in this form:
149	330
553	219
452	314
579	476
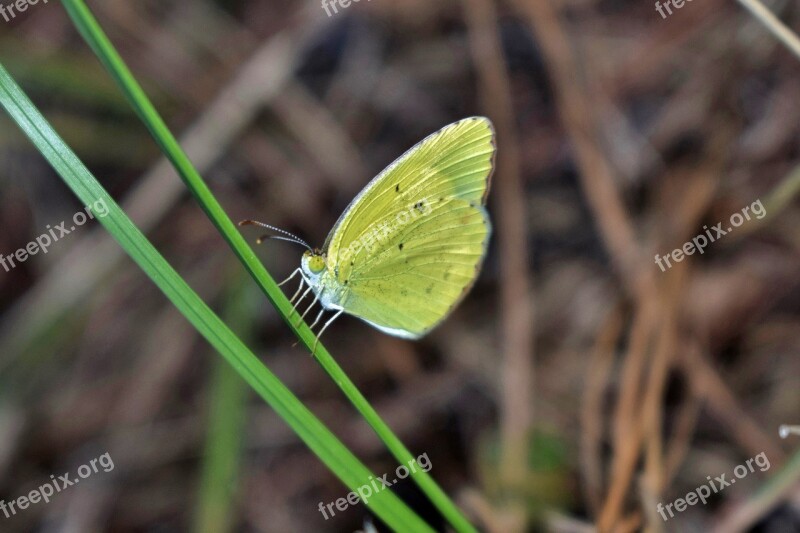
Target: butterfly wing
410	245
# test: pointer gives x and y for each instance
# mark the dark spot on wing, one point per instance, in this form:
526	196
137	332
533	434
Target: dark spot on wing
472	204
397	188
346	281
403	292
400	245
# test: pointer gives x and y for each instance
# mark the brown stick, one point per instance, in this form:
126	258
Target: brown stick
517	309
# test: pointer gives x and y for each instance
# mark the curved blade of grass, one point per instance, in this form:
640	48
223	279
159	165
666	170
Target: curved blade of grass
105	51
308	427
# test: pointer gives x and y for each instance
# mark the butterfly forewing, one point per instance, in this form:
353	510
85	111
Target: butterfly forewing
411	244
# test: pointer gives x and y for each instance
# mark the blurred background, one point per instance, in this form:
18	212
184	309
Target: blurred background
578	385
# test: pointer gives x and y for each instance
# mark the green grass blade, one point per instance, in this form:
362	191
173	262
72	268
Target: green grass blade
99	42
214	510
307	426
227	414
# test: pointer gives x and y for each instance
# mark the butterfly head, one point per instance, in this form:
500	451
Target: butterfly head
313	263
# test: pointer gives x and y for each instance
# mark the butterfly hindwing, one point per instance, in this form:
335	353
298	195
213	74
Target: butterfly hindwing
413	289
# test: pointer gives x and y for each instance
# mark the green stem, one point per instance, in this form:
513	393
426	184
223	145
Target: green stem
105	51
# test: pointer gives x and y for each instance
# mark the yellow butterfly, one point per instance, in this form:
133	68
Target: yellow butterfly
410	245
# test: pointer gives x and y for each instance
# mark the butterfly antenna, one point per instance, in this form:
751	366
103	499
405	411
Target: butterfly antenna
289	237
278	238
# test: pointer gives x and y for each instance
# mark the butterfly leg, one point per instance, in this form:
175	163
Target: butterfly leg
303	316
312	326
302	297
291	276
316	320
328	323
299	288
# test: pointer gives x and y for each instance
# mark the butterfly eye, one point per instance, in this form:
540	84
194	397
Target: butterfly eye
316	264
